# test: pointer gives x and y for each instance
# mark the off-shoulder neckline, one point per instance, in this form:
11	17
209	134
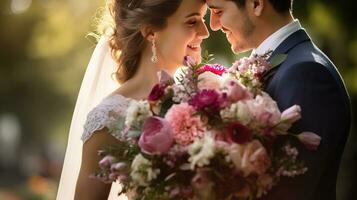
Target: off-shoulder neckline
123	97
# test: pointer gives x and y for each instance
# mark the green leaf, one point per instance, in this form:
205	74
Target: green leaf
278	59
275	62
134	133
166	105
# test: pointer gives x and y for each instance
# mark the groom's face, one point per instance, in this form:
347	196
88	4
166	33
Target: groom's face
234	22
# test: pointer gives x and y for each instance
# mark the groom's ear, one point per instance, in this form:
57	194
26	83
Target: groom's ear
256	6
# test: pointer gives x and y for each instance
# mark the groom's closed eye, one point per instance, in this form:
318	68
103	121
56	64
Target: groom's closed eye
216	12
213	7
224	30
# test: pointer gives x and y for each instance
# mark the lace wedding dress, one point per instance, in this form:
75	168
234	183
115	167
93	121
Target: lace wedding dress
102	116
93	110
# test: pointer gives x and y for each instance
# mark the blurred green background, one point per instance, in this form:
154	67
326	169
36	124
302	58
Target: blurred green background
44	53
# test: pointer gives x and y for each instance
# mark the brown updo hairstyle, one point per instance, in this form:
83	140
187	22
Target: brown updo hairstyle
126	40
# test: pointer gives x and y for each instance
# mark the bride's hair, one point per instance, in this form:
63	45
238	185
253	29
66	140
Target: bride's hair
126	40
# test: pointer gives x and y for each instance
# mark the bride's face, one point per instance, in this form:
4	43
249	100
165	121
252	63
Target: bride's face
183	34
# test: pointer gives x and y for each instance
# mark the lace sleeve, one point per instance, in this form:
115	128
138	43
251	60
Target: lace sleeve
111	109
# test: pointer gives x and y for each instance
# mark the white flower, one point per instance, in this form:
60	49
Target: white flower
179	74
201	151
210	81
141	171
227	78
237	111
137	112
180	93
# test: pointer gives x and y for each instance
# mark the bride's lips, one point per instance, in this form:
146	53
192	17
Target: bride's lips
194	47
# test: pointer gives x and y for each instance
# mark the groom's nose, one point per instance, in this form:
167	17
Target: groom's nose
215	23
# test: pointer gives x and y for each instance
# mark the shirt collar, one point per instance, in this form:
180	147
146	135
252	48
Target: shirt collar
274	40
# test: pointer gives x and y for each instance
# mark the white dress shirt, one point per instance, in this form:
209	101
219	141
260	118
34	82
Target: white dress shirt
275	39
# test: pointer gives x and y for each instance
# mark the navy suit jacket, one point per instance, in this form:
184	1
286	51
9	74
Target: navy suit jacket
309	79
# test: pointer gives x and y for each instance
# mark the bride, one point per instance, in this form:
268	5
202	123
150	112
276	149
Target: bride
148	36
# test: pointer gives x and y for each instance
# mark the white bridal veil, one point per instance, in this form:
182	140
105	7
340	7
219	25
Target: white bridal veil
96	85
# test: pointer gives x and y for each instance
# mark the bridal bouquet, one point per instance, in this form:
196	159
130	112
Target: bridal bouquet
211	135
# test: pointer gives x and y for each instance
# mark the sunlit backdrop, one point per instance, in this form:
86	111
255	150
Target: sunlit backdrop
43	55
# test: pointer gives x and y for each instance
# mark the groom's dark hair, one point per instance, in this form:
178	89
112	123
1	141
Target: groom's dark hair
281	6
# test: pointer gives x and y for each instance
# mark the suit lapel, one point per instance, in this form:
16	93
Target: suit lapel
293	40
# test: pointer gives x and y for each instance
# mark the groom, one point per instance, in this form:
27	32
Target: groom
306	78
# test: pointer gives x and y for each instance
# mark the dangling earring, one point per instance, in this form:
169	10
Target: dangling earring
154	52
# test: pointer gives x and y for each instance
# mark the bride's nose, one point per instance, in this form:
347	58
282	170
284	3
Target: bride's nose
202	31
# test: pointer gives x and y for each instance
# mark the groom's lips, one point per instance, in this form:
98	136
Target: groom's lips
228	35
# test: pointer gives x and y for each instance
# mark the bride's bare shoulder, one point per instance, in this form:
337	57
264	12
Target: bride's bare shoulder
130	91
123	90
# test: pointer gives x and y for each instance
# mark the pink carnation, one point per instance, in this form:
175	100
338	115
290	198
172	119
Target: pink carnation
185	125
215	68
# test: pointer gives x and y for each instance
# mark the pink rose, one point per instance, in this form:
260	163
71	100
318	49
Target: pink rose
156	93
310	140
265	110
288	117
238	133
210	81
250	158
236	91
292	114
157	137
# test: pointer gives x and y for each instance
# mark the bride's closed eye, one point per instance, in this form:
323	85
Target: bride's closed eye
193	22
